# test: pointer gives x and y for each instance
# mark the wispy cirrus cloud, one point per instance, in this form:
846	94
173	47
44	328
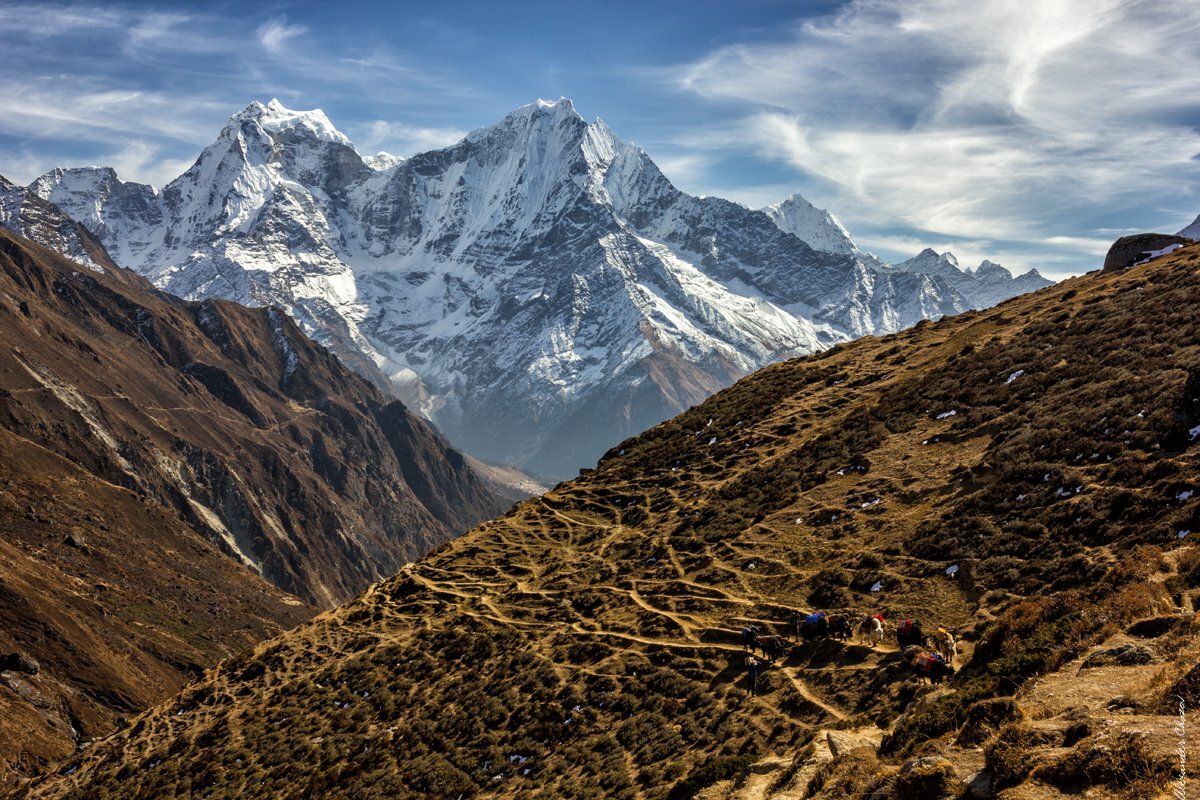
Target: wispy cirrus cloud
275	35
995	119
143	88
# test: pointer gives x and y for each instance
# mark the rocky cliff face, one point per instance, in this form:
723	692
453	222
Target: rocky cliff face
539	290
111	591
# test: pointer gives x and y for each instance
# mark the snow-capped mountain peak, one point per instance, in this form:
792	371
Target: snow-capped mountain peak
539	289
275	118
814	226
383	161
929	260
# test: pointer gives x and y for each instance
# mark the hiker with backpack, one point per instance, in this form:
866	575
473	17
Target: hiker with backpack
752	675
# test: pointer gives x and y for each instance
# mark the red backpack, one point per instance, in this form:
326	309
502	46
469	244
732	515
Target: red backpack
904	626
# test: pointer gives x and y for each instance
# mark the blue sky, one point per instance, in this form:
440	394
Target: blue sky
1029	133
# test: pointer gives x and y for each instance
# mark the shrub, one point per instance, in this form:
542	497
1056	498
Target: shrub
1121	762
827	589
927	782
712	771
1007	756
985	718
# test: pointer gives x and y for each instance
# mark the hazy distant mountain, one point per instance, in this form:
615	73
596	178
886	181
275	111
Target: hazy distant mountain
987	285
540	290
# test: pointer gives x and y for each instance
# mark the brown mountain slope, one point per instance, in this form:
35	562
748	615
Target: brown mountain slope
119	601
231	417
586	644
158	459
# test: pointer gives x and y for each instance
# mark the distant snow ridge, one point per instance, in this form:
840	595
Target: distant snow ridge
539	290
1191	231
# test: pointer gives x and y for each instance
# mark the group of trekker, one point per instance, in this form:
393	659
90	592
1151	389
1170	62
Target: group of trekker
929	656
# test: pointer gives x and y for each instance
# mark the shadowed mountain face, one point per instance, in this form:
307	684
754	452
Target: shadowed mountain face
232	418
158	460
1027	476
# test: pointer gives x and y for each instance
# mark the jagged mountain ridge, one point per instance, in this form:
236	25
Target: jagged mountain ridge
985	286
538	290
586	644
23	212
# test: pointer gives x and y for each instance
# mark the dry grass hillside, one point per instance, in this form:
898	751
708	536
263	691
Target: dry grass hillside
586	645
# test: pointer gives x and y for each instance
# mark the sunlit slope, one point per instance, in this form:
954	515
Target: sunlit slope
585	645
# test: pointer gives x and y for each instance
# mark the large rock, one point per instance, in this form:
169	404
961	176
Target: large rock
1130	250
842	742
1125	655
20	662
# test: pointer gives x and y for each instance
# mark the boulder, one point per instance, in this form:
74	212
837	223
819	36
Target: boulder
20	662
926	762
842	742
1129	250
1125	655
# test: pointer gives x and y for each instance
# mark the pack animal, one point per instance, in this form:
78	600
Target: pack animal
839	627
927	665
816	626
869	630
773	647
908	632
943	642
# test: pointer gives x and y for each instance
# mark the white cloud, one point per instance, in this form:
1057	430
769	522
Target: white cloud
1009	121
42	109
685	169
146	162
404	140
275	35
80	83
42	20
1094	246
